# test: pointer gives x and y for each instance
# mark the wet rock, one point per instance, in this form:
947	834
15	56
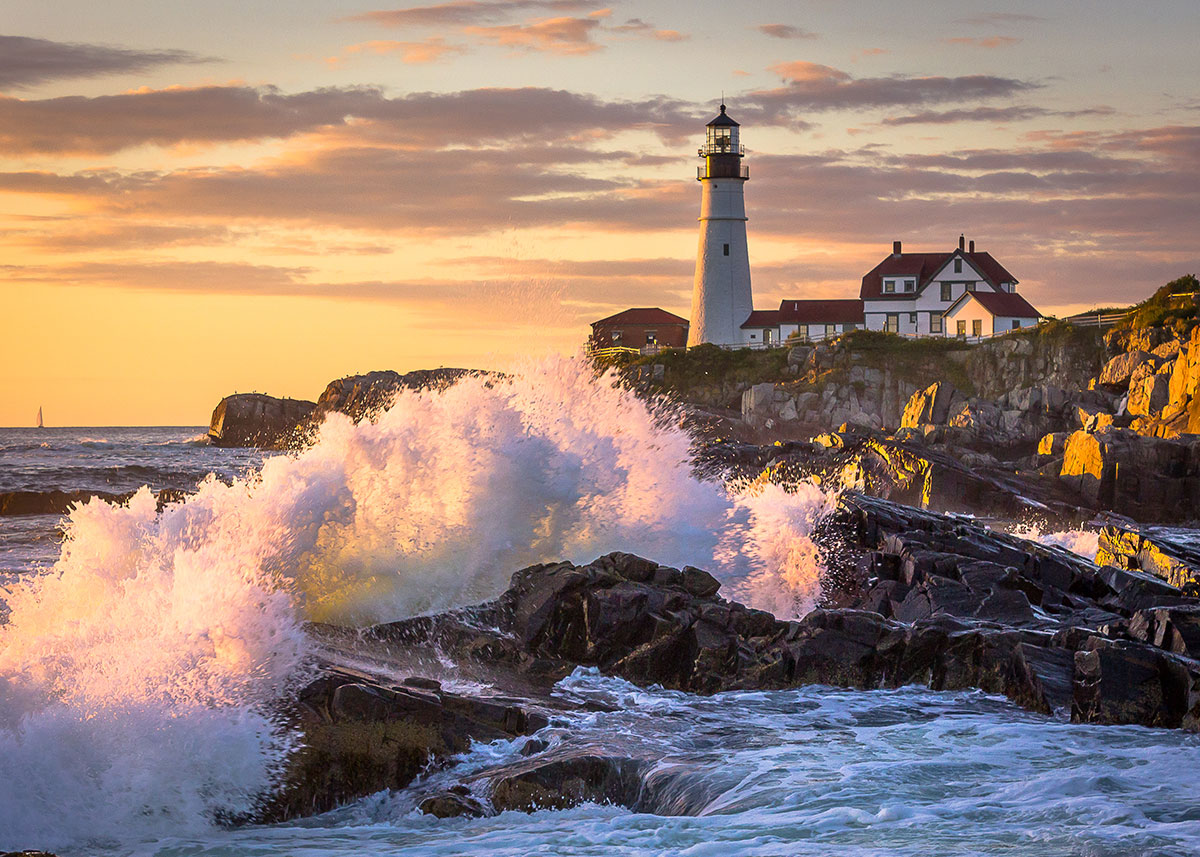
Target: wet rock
363	396
567	782
455	802
359	737
255	419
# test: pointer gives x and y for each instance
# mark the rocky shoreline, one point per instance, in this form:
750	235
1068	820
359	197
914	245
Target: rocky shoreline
911	597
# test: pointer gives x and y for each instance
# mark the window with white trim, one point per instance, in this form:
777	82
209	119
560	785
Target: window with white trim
935	322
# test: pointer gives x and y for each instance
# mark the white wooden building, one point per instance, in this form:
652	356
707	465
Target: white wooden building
911	293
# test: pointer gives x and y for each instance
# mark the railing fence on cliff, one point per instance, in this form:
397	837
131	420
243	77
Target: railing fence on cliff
1101	320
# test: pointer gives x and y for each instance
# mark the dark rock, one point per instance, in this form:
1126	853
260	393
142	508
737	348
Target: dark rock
453	803
364	396
568	782
255	419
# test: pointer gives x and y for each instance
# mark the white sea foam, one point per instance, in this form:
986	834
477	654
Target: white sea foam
135	675
1085	543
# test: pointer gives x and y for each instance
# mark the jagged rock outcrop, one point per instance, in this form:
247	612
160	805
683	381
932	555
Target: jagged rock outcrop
15	503
255	419
1152	550
363	396
360	736
911	597
1146	478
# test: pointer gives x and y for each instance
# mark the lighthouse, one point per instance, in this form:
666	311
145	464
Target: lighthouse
721	299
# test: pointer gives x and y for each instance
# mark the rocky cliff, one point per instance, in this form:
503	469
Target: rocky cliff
255	419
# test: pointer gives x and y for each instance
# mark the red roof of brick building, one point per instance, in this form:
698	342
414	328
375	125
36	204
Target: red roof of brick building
642	315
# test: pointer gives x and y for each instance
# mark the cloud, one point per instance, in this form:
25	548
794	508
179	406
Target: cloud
465	12
991	19
103	124
425	51
554	35
785	31
989	42
26	61
814	87
1015	113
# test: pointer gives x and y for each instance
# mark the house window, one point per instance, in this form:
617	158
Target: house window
962	328
1016	324
958	266
947	292
910	285
893	322
846	328
971	286
830	331
977	327
912	318
726	249
616	336
754	336
889	286
652	337
935	323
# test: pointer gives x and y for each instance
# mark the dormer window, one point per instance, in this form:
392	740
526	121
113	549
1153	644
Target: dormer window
958	266
889	286
910	285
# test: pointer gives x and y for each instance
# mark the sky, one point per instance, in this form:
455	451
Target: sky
201	199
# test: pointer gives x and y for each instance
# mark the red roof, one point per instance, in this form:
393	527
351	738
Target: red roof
642	315
807	312
1008	304
763	318
922	267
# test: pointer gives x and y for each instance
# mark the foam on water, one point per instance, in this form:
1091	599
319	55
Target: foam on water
1085	543
136	674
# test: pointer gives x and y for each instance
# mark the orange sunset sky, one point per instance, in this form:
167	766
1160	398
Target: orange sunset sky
197	199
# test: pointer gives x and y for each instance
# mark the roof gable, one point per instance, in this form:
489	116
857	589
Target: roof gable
1005	304
642	315
924	267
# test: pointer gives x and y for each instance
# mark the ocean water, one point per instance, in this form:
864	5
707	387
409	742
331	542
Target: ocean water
143	650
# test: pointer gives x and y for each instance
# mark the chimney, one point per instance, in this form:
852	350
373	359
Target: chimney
895	248
962	242
972	246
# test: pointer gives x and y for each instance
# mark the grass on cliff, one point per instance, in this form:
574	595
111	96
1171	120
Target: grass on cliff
1173	306
913	359
706	365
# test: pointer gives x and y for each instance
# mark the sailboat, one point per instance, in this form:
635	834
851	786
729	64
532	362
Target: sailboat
40	423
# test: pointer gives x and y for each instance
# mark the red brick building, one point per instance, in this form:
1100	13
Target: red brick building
637	328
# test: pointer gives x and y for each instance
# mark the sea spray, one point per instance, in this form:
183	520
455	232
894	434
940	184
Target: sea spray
1085	543
136	676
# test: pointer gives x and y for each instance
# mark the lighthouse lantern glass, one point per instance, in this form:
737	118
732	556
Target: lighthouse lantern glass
722	138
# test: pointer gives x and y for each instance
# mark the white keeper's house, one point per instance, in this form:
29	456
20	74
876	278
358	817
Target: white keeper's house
962	293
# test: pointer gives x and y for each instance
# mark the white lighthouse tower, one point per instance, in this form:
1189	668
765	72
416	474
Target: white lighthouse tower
721	298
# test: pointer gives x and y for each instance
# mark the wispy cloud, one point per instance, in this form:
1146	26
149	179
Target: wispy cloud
222	114
815	87
427	50
991	19
785	31
466	12
988	42
1015	113
564	35
26	61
